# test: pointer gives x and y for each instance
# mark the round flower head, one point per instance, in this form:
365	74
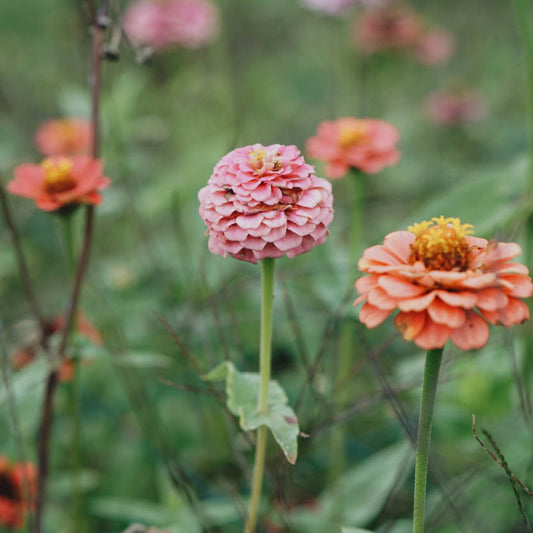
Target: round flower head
366	144
68	136
165	23
435	47
17	491
445	283
265	201
455	108
60	181
387	29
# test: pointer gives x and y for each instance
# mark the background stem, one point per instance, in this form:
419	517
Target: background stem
265	356
429	390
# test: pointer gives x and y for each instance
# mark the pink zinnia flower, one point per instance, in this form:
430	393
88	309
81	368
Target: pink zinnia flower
445	283
265	201
386	29
453	108
367	144
60	181
434	47
165	23
68	136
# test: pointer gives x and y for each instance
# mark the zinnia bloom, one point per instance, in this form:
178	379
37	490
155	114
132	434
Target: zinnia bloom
68	136
166	23
265	201
455	108
366	144
387	29
445	283
17	492
60	181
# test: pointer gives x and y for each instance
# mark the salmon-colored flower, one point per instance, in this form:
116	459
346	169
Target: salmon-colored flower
166	23
17	492
455	107
365	144
265	201
445	283
60	181
67	136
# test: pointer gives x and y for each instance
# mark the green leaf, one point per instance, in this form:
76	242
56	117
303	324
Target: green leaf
242	391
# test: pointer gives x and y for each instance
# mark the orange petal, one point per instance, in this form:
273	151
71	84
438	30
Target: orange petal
399	243
473	334
512	268
503	252
515	312
371	316
490	316
522	286
442	313
432	335
465	299
360	299
491	299
400	288
417	304
479	282
410	324
380	254
366	284
379	298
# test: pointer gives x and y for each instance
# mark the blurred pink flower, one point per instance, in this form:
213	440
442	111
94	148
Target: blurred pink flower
265	201
366	144
387	28
454	108
166	23
65	136
435	47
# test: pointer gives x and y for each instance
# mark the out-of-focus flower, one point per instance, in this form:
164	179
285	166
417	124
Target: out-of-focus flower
386	29
454	108
67	136
265	201
167	23
60	181
17	492
27	354
330	7
445	283
367	144
435	47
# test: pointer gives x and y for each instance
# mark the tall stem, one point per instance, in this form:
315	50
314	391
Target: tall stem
357	211
429	390
45	429
265	356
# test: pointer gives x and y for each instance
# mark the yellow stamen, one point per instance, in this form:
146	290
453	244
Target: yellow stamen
58	175
351	131
265	160
441	243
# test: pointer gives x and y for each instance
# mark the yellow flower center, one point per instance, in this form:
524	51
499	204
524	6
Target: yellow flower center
264	160
58	175
441	243
351	131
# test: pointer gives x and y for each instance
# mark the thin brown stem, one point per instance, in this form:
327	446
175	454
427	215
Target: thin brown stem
22	265
51	385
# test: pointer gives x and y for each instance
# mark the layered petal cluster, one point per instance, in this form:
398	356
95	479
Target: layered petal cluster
455	108
265	201
445	285
67	136
166	23
366	144
394	28
60	181
17	492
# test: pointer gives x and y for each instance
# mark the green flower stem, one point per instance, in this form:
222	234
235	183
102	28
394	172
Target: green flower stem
429	390
358	208
265	356
67	238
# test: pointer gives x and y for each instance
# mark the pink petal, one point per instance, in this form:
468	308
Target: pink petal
417	304
491	299
379	298
466	300
432	336
400	288
371	316
410	324
443	313
399	243
473	334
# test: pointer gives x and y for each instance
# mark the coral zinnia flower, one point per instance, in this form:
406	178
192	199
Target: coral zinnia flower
68	136
161	24
265	201
446	284
365	144
17	491
60	181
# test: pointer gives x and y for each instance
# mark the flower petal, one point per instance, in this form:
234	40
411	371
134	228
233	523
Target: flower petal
442	313
417	304
410	324
400	288
432	336
371	316
473	334
491	299
465	299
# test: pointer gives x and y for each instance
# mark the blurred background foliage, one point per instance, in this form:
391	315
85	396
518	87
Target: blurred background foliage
168	455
